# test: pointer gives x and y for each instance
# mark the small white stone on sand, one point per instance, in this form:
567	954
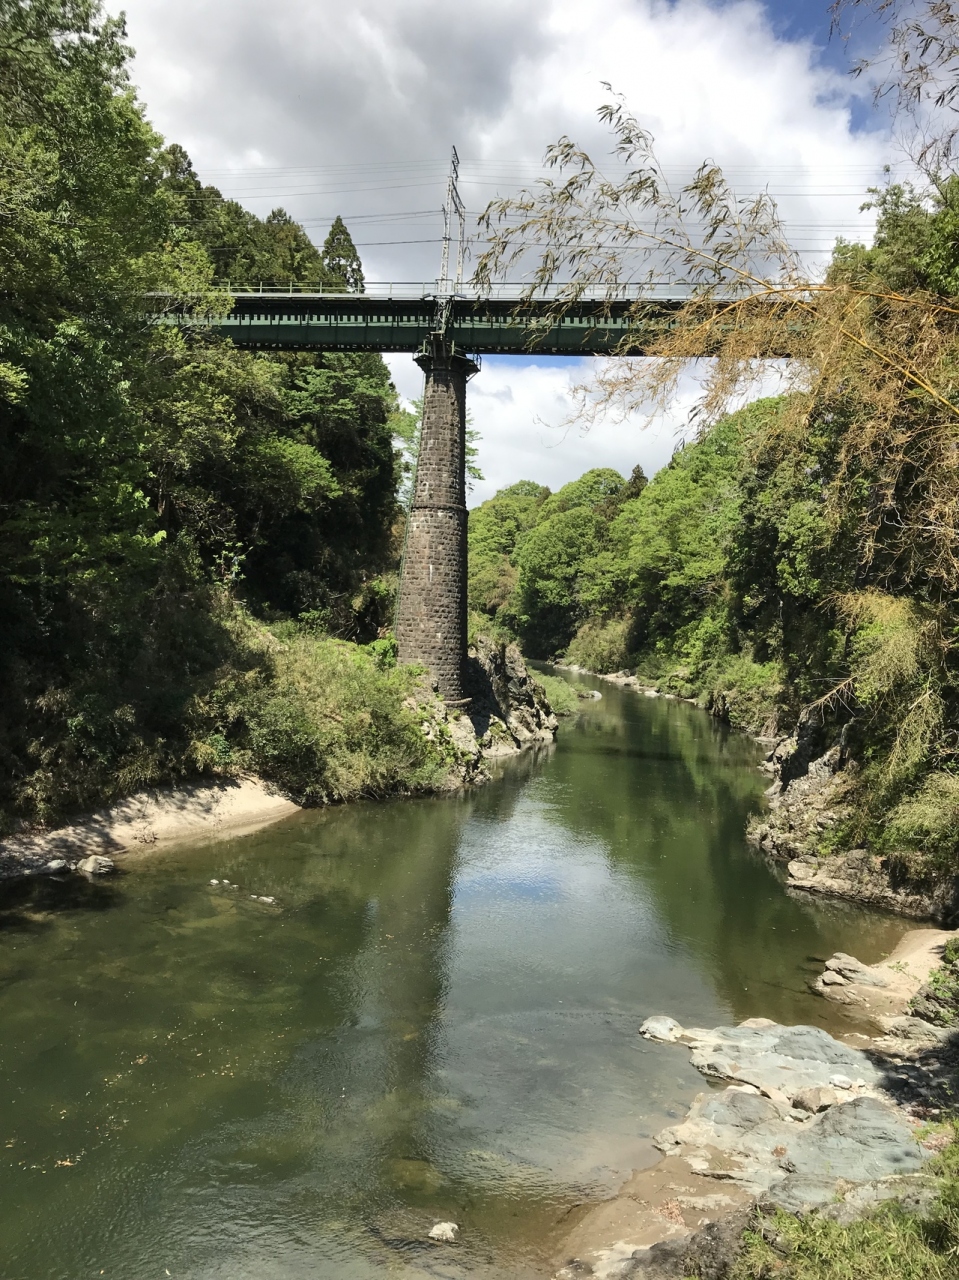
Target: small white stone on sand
445	1232
840	1081
216	882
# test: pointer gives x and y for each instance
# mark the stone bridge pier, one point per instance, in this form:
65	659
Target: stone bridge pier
431	611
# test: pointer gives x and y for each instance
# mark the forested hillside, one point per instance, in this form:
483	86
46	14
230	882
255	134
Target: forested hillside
188	533
784	569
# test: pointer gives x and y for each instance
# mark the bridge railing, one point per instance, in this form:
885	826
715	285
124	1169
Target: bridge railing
508	291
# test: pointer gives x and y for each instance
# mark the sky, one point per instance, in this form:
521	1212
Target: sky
329	107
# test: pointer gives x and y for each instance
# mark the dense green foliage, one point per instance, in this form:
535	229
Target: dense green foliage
322	718
783	568
159	489
534	555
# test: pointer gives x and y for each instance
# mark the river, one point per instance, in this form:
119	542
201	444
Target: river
436	1018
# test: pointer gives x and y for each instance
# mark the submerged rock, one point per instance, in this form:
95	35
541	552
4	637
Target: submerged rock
96	865
661	1028
445	1232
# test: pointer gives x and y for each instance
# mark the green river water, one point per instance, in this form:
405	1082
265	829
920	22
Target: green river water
436	1020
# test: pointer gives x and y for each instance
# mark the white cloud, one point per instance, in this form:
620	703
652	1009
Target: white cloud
329	107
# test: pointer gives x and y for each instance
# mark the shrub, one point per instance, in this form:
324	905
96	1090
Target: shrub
744	692
926	824
324	719
560	695
601	646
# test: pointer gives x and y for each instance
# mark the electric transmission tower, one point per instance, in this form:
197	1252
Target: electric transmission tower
454	207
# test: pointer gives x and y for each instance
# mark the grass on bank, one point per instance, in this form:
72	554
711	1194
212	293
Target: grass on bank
890	1244
559	693
323	719
734	686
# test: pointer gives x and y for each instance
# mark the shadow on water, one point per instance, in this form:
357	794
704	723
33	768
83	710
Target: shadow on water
30	903
435	1018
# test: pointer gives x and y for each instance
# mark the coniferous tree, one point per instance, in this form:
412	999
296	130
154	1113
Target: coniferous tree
341	261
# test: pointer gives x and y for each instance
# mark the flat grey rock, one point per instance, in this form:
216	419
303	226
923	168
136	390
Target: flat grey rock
789	1059
858	1141
802	1126
797	1163
737	1110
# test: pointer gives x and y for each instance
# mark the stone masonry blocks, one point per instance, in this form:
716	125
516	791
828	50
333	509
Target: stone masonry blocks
431	614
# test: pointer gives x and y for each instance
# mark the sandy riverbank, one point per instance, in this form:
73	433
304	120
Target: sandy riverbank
147	819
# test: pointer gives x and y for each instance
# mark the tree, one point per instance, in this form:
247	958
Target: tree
495	528
915	70
340	260
244	249
151	478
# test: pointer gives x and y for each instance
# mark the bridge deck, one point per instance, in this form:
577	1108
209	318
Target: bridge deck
277	320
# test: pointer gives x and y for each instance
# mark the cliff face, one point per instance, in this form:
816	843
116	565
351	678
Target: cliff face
806	799
508	709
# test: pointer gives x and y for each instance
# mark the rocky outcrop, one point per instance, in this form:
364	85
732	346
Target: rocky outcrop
890	988
806	799
507	708
505	711
806	1124
873	880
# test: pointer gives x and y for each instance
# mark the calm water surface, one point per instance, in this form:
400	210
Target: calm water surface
437	1019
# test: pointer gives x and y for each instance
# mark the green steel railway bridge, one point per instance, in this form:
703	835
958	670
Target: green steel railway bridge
413	317
447	332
